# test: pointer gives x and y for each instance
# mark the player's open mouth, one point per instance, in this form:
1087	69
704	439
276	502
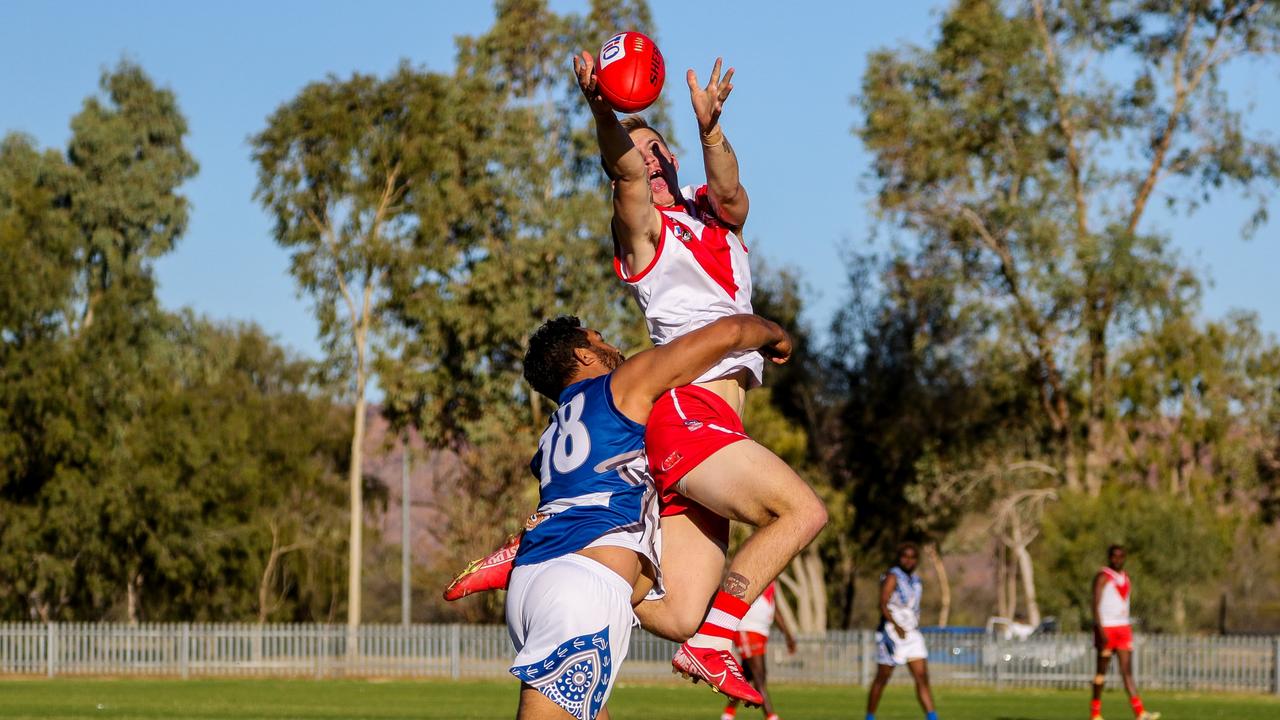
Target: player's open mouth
657	183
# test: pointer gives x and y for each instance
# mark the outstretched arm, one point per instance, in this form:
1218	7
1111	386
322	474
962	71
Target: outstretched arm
642	378
636	223
728	197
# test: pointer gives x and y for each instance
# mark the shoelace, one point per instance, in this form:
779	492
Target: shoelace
731	665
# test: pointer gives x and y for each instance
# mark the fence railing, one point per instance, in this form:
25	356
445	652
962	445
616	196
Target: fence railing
1208	663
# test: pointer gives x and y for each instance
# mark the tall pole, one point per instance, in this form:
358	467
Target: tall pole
404	535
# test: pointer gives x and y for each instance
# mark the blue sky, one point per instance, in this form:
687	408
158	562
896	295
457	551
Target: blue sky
232	63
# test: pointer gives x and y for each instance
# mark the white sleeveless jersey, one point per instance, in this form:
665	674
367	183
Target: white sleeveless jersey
1113	607
699	275
759	617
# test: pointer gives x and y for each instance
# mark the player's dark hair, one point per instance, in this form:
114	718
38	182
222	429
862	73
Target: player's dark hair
549	362
1113	548
908	545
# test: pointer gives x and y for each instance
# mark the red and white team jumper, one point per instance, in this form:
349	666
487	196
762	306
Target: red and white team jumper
753	631
1113	611
699	274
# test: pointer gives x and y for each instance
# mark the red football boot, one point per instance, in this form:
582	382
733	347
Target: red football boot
718	668
488	573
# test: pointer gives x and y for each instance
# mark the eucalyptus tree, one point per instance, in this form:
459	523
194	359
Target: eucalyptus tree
1026	146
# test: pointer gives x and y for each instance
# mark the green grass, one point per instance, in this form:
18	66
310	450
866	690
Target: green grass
236	699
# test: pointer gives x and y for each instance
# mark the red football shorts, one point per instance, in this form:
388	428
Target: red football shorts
688	425
751	644
1119	637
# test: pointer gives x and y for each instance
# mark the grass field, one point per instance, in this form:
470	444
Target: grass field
236	699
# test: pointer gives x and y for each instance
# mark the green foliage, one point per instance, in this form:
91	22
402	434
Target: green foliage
1174	547
525	238
1021	151
145	458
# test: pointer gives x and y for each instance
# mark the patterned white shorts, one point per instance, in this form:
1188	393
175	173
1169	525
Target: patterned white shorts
570	621
893	650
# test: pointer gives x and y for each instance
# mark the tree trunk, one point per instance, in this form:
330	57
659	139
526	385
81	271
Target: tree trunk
1011	583
817	588
1096	427
264	585
804	580
944	584
355	479
1027	572
133	590
1002	587
1095	455
1071	462
848	580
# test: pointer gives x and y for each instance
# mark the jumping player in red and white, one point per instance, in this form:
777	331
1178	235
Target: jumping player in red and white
1112	632
680	252
753	645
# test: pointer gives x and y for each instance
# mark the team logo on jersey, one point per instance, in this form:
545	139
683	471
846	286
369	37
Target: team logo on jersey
671	460
683	234
693	425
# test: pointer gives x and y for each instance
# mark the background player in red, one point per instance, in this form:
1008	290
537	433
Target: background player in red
1112	632
679	251
753	646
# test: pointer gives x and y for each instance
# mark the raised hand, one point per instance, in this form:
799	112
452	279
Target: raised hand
584	67
708	102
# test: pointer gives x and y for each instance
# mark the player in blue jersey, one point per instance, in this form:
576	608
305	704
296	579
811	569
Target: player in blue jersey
898	638
581	570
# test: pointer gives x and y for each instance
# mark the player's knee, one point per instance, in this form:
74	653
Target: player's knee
813	515
685	621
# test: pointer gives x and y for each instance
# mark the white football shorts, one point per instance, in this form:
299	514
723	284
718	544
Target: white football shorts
570	621
893	650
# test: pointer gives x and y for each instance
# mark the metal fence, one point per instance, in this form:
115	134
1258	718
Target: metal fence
1230	663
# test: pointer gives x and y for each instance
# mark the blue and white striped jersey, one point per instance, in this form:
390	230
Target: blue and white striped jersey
904	603
595	483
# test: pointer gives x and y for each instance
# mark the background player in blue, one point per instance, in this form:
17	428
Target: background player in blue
898	638
581	570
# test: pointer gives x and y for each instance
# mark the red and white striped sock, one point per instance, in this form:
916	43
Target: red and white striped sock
718	629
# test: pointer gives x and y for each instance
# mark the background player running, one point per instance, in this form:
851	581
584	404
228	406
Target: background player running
898	638
753	647
578	573
1112	632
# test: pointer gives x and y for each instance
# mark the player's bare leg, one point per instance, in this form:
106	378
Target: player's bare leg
1126	671
1131	687
694	560
883	673
536	706
756	674
748	483
920	672
1099	682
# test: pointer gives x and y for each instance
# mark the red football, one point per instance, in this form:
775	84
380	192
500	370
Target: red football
630	71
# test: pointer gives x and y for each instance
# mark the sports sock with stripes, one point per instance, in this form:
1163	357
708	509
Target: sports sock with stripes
722	622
